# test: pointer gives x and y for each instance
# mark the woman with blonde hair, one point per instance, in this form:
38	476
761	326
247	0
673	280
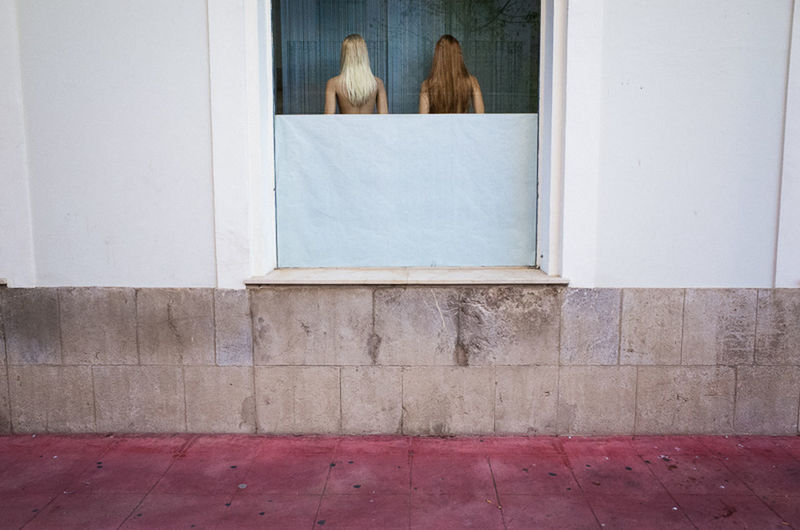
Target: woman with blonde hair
449	88
355	89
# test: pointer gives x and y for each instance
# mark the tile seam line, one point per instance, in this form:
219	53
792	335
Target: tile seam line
325	487
185	447
671	496
496	493
568	463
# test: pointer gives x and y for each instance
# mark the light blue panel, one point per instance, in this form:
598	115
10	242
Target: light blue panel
406	190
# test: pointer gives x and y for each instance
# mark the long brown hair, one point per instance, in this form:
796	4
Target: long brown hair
449	83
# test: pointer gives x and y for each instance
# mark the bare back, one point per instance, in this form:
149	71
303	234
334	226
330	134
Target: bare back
335	94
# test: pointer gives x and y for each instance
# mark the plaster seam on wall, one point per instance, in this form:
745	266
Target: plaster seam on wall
782	169
214	234
26	157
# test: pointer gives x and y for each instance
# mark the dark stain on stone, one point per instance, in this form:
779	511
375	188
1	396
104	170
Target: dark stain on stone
349	461
525	469
373	347
552	474
729	510
173	327
260	513
306	328
333	464
672	466
462	356
321	522
227	504
356	486
629	468
233	467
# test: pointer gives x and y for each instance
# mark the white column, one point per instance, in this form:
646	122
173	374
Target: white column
787	260
584	76
17	263
241	87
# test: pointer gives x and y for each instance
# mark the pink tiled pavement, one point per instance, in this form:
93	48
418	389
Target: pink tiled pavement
236	481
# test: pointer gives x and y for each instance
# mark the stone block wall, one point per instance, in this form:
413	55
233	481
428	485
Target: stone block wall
416	360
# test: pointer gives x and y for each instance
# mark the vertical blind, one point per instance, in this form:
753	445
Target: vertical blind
499	38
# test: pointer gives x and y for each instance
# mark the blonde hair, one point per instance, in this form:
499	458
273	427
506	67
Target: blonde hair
357	79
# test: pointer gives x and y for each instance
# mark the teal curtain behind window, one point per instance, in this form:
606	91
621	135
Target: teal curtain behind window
500	40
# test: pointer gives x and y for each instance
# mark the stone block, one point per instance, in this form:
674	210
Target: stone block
719	326
651	326
5	409
312	326
767	399
176	326
590	320
596	400
220	399
526	398
3	291
298	400
372	400
685	400
778	327
509	326
98	326
446	400
416	326
30	318
139	398
51	398
234	334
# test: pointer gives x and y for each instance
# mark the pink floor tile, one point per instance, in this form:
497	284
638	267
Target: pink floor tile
669	445
787	508
297	445
370	474
701	474
435	475
767	476
426	446
729	511
523	445
532	475
598	446
167	511
625	475
453	511
373	445
652	512
548	511
18	508
83	510
284	474
363	511
270	511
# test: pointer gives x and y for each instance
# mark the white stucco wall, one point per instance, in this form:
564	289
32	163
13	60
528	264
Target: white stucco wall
116	98
16	243
675	116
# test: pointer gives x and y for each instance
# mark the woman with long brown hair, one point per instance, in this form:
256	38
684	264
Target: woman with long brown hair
449	88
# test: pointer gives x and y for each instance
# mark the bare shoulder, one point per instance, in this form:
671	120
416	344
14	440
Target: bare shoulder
332	82
379	81
474	81
424	86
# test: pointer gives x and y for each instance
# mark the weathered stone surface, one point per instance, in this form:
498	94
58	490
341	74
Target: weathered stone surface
297	400
526	398
98	326
651	326
5	409
176	326
52	398
416	326
767	399
372	400
312	326
220	399
234	334
719	326
685	400
139	398
596	399
32	333
778	327
443	400
590	321
509	326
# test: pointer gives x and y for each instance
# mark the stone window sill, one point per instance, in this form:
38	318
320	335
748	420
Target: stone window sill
408	276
